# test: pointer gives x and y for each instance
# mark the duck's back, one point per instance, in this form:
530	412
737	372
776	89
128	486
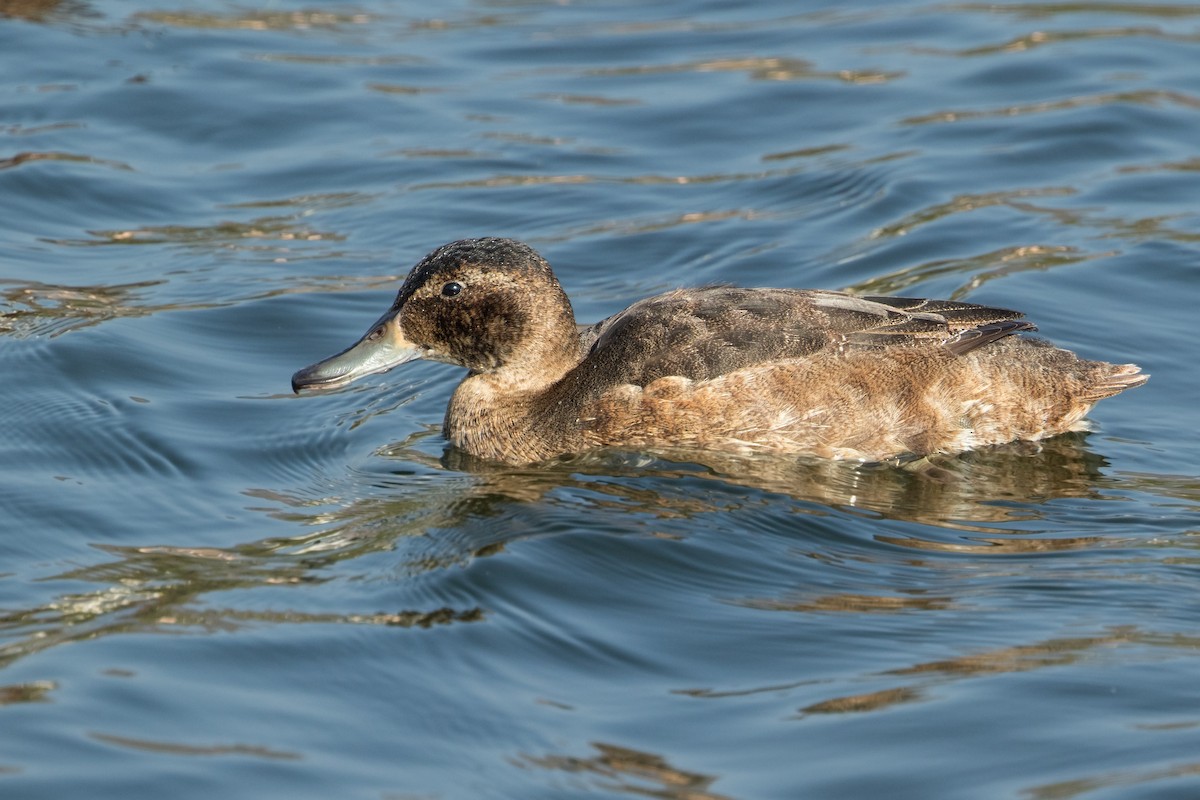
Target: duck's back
703	333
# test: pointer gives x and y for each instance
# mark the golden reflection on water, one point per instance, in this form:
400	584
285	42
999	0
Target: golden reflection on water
870	701
981	268
1022	658
758	68
156	589
31	10
856	604
1056	652
927	675
965	203
283	228
588	100
30	308
78	158
1187	165
310	202
1115	779
255	20
32	692
1041	38
1043	10
403	89
327	59
633	772
995	546
180	749
1147	97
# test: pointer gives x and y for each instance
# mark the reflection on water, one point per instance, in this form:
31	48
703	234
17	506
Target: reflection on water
180	749
631	772
1042	11
948	492
1051	653
980	269
1111	780
33	309
45	10
1045	38
26	693
26	158
857	703
857	604
970	202
255	20
979	492
1145	97
763	69
158	589
282	228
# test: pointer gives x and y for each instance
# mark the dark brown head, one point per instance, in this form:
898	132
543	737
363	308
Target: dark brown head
483	304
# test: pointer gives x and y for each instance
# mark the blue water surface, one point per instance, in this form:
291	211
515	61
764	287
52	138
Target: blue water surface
210	587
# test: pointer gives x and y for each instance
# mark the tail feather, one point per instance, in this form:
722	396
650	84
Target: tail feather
1120	378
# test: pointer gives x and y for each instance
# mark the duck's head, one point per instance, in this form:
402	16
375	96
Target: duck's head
483	304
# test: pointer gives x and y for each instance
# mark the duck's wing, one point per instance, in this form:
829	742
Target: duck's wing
963	326
706	332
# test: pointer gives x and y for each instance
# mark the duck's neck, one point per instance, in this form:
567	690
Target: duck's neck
509	414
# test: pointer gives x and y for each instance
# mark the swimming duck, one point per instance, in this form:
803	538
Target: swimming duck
785	371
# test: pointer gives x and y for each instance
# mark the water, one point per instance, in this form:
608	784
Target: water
210	587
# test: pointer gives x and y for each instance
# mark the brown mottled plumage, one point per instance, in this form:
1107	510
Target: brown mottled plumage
747	370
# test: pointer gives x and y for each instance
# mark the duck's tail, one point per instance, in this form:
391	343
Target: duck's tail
1116	379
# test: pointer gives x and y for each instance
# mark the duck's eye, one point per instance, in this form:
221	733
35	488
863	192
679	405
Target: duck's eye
451	289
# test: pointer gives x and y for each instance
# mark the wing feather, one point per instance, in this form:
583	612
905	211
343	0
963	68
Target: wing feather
710	331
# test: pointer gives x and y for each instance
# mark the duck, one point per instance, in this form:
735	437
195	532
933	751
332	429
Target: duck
783	372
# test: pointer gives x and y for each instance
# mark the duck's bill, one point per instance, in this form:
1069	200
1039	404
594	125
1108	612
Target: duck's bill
382	348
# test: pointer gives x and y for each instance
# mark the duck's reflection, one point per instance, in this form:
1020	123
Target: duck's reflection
969	491
988	501
433	513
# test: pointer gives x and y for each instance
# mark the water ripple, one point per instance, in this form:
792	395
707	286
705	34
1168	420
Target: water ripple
1146	97
32	309
756	67
256	20
978	270
1049	10
1043	38
74	158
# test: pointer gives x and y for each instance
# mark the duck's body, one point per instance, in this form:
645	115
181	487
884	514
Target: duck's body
775	370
